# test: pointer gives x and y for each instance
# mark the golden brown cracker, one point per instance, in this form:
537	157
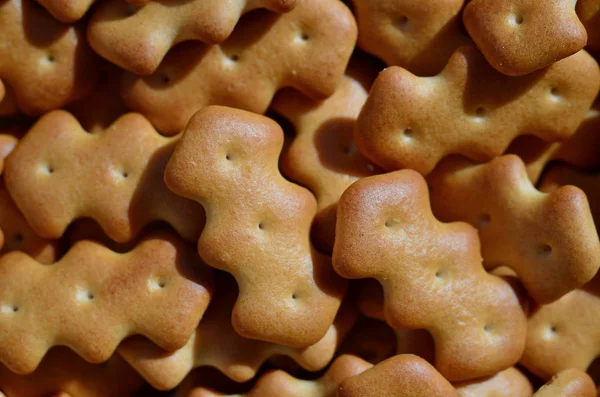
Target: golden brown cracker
564	334
419	35
46	64
130	36
471	109
386	231
549	240
307	49
257	227
520	36
59	172
93	298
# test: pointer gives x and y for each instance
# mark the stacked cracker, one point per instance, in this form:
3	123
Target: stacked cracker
213	198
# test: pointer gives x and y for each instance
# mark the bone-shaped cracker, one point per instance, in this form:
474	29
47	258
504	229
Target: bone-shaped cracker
508	383
403	375
67	11
307	49
62	371
280	384
471	109
322	156
15	232
431	274
240	360
564	334
520	36
568	383
132	39
60	172
104	105
93	298
588	12
45	63
257	226
549	240
419	35
559	175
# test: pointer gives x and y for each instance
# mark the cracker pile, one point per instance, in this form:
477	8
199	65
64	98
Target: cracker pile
299	198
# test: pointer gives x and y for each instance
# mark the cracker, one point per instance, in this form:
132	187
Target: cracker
306	49
93	298
564	334
471	109
431	274
419	35
257	227
549	240
130	36
59	172
521	36
50	64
